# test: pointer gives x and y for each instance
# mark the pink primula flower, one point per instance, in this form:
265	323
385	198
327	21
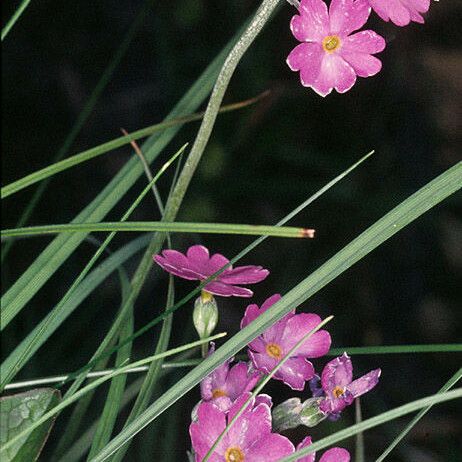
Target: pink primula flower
225	384
401	12
270	347
250	438
338	387
197	264
330	57
331	455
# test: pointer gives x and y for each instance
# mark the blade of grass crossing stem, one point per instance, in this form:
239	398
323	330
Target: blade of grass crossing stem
96	383
176	227
82	118
16	15
90	283
261	385
150	381
116	390
449	384
374	422
56	253
89	154
25	354
406	212
148	257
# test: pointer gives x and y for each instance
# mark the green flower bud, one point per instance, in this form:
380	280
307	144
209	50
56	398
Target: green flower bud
292	413
205	314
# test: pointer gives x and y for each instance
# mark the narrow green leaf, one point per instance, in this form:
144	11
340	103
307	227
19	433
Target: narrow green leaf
449	384
374	422
24	432
89	154
406	212
16	15
175	227
54	255
18	412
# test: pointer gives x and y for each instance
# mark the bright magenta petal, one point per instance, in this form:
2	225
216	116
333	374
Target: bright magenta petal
366	41
335	73
312	25
346	16
335	455
363	64
337	373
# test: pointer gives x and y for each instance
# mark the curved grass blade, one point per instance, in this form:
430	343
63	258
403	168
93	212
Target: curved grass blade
240	255
54	255
68	401
16	15
374	422
262	384
449	384
160	226
104	148
406	212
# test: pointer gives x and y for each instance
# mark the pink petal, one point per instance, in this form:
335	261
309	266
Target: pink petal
244	275
335	73
198	254
262	361
176	263
211	422
251	313
366	41
365	383
337	373
216	262
297	327
239	380
304	443
401	12
295	372
264	399
313	23
227	290
347	16
306	58
335	455
363	64
270	448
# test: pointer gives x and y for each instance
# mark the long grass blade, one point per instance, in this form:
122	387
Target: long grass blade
406	212
16	15
175	227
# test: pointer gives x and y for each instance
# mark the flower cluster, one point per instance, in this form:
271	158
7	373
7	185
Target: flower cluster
332	54
281	351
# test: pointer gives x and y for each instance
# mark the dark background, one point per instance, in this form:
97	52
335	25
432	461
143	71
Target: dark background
260	163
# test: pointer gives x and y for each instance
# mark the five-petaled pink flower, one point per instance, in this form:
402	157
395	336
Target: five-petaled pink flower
269	348
331	455
338	387
225	384
330	57
249	439
198	265
401	12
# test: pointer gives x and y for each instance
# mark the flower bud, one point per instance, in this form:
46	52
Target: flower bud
293	413
205	315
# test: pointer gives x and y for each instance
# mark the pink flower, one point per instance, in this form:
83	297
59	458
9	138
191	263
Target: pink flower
330	57
224	385
401	12
198	265
331	455
339	389
270	347
249	439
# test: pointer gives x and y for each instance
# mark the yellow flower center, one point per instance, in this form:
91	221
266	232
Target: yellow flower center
331	43
338	391
206	296
234	454
218	392
274	350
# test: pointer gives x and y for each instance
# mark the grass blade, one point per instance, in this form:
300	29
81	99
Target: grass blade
406	212
449	384
16	15
175	227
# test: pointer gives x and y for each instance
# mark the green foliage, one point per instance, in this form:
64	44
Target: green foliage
17	412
